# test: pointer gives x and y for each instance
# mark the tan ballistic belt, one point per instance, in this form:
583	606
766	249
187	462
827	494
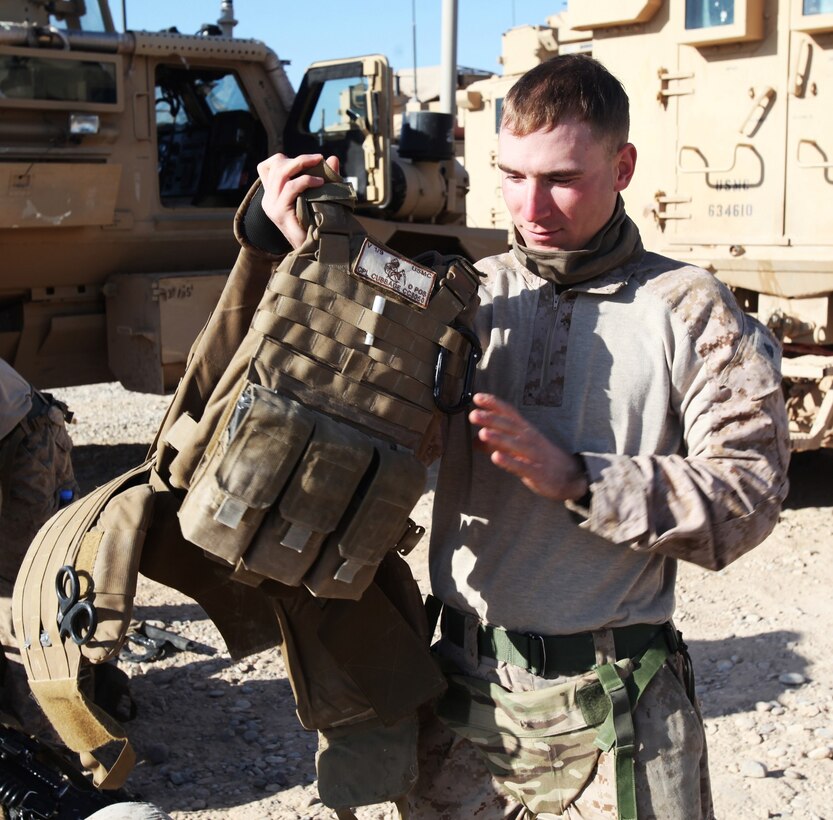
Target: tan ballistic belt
309	473
72	603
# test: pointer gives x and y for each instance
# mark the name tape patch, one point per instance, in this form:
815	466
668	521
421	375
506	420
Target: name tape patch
395	273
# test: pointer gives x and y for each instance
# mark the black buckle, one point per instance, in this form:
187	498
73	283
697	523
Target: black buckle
539	669
475	354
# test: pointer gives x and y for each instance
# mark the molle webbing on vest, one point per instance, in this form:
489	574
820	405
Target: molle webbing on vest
316	318
99	538
309	473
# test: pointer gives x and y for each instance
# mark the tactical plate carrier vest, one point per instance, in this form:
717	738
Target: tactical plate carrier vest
277	495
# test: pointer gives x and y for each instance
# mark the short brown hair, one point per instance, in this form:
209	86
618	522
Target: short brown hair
568	86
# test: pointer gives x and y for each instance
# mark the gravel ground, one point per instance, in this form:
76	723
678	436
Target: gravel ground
219	739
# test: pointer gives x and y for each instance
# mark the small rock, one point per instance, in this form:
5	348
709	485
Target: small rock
763	706
276	785
792	678
724	665
820	753
808	710
753	768
793	774
157	753
217	693
178	778
776	751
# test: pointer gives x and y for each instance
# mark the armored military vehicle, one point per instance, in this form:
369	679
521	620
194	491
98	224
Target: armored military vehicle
732	116
124	155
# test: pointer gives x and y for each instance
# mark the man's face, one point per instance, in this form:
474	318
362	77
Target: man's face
560	186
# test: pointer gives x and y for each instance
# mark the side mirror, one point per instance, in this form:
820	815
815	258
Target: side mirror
343	108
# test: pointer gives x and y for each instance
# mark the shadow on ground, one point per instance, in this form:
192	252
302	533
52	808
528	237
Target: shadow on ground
249	745
753	677
811	480
96	464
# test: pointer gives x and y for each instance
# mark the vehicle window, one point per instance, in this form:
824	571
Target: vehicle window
209	140
59	80
333	113
818	7
91	20
709	13
341	104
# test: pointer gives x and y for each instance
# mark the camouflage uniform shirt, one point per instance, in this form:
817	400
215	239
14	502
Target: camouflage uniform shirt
672	395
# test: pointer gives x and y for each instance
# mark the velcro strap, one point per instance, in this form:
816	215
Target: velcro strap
333	249
181	431
85	728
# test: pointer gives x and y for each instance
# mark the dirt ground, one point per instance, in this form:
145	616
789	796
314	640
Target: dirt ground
219	739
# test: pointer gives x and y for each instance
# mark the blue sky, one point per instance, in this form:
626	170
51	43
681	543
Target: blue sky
326	29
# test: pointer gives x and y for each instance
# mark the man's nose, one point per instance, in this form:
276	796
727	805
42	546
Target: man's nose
536	202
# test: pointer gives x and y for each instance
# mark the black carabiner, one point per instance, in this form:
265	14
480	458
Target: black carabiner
475	354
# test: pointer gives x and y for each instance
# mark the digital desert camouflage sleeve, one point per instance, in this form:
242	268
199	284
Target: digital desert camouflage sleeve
721	497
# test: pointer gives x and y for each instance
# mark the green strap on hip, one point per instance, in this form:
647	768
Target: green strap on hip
619	723
617	731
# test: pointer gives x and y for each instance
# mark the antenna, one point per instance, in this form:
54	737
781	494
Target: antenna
414	29
124	15
226	22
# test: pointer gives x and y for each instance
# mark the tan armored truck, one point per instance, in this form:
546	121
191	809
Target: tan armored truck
732	116
124	155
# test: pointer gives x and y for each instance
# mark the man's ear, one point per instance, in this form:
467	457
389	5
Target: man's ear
625	166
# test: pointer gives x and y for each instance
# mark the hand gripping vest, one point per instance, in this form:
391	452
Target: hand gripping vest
278	496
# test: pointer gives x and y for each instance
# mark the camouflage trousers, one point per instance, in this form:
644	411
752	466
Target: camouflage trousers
37	467
671	767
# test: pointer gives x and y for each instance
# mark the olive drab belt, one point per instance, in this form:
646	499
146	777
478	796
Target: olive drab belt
310	473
